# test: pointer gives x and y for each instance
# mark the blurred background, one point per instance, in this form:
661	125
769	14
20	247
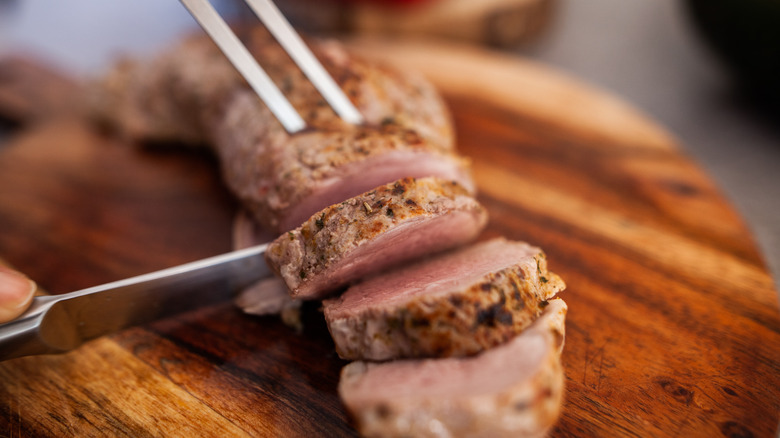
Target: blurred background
704	69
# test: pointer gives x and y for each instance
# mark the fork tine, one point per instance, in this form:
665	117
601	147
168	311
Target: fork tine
208	18
292	43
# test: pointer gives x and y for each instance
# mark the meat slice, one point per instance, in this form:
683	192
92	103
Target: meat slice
374	231
284	179
192	94
268	296
455	304
513	390
182	93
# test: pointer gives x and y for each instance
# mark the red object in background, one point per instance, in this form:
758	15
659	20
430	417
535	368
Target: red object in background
387	2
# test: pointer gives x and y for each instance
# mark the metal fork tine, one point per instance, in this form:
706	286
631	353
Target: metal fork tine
208	18
292	43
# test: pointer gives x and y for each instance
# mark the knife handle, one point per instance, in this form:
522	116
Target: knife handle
22	336
58	323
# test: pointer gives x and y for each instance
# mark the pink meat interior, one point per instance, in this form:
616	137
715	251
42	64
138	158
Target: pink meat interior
488	373
417	237
441	274
356	178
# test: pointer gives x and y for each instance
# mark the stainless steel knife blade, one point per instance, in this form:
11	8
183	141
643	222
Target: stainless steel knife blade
59	323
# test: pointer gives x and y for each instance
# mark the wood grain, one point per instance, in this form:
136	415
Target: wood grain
673	326
499	23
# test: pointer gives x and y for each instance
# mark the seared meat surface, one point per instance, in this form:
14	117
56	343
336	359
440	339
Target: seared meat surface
456	304
372	232
512	390
284	179
192	94
345	203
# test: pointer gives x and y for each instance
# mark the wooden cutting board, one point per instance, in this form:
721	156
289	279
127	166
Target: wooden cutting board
673	326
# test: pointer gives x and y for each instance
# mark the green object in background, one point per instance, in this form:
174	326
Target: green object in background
746	35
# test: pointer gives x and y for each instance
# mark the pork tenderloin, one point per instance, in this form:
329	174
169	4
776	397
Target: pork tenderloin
456	304
374	231
284	179
192	94
513	390
268	296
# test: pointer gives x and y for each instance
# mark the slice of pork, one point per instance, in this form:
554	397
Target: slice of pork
455	304
268	296
192	94
283	179
513	390
371	232
182	93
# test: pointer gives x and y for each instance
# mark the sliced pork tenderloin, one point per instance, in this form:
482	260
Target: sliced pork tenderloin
182	93
192	94
371	232
268	296
283	179
513	390
455	304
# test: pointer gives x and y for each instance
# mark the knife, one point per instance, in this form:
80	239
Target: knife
59	323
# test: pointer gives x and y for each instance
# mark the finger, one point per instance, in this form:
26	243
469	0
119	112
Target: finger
16	293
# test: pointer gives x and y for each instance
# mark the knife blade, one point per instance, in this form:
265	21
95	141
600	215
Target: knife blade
60	323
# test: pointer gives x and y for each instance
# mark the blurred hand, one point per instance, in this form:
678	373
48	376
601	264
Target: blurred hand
16	293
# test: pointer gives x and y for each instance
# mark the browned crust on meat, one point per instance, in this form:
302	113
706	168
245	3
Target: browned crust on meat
271	171
528	408
460	323
537	404
192	94
174	97
299	256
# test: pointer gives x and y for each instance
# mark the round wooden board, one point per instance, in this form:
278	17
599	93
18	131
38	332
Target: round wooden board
673	326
